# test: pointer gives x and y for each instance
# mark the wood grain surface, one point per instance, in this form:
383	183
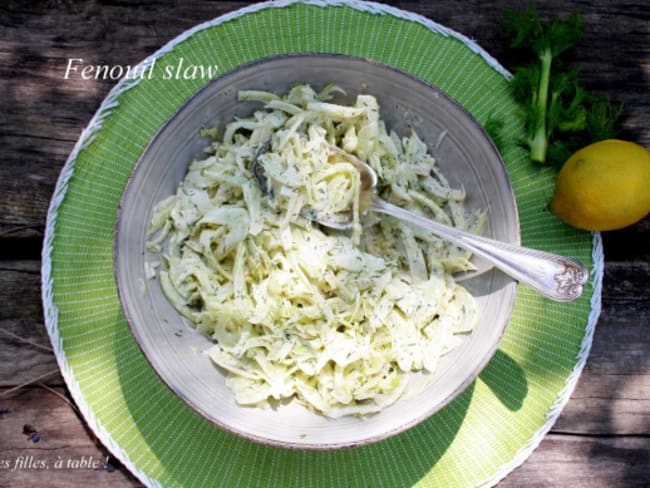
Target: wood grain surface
602	438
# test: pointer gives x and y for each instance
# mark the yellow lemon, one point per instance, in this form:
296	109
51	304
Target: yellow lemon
604	186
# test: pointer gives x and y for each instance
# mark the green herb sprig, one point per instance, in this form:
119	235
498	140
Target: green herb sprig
561	114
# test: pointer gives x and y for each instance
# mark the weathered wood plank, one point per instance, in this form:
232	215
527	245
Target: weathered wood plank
66	454
20	290
27	177
580	461
21	314
621	342
21	363
608	404
629	244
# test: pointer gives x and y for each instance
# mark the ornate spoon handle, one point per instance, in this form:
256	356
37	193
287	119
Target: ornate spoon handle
555	277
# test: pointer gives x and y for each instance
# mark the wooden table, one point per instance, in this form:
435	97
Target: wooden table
602	438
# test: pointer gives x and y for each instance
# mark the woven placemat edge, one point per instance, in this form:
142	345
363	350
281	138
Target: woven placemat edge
95	124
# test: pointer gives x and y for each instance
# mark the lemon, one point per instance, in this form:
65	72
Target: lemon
604	186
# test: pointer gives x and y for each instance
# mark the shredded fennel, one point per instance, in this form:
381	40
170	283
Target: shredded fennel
338	321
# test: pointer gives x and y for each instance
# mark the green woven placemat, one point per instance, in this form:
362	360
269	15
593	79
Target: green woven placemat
475	441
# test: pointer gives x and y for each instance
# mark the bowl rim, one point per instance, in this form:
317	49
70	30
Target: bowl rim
325	446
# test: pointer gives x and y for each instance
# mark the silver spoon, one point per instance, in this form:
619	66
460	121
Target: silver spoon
556	277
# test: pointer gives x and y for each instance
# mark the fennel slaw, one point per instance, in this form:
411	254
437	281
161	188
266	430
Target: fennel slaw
338	321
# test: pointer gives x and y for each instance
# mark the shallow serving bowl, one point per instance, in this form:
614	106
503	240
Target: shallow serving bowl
175	351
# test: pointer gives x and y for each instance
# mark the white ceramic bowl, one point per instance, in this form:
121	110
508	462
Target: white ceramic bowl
466	156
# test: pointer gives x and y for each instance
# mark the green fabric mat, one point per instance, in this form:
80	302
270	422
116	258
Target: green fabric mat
476	440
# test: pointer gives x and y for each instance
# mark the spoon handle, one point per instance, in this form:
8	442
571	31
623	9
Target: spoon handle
554	276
